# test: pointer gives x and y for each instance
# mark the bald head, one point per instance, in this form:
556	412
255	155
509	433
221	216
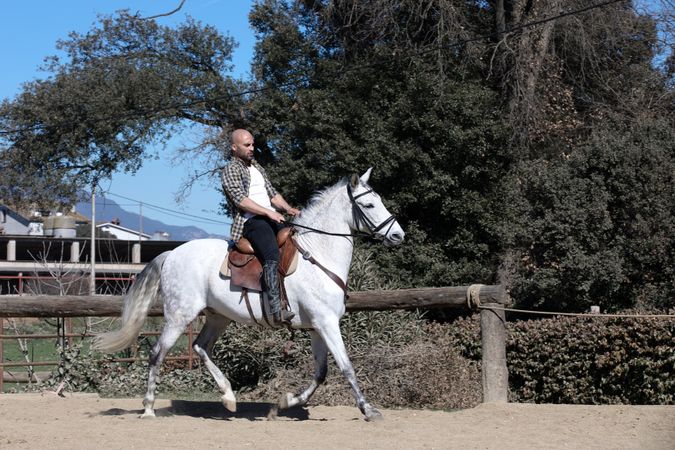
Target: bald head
242	145
239	135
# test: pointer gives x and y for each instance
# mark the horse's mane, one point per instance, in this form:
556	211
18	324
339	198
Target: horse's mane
319	198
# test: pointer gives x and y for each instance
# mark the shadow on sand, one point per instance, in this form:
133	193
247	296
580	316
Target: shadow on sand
216	411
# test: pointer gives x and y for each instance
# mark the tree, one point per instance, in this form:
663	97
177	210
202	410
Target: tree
485	150
528	134
124	85
434	138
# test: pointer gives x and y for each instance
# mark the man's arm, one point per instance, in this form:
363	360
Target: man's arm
252	207
233	184
280	203
232	181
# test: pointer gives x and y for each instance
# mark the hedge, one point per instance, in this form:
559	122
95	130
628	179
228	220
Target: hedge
580	360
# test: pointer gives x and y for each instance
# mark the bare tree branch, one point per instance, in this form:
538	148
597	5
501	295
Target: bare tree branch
165	14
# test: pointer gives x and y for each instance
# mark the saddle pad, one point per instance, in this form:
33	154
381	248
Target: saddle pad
225	268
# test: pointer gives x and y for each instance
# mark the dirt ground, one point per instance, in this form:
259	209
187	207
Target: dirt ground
82	421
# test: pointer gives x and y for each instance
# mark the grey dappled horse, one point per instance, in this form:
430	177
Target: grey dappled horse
188	281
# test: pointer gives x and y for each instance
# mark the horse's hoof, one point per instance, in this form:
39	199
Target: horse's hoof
286	401
147	415
373	415
229	401
274	412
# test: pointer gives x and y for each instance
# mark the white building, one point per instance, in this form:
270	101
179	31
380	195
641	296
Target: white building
122	233
13	223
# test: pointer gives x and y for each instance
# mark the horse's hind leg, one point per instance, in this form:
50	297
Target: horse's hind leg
320	352
167	339
203	346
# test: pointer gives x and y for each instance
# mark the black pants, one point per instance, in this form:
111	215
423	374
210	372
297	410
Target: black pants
262	233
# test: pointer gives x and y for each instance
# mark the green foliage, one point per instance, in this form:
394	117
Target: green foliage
436	142
553	217
584	360
597	225
403	361
79	372
83	371
591	361
249	356
399	361
252	356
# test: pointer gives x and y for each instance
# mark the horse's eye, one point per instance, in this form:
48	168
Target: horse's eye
369	205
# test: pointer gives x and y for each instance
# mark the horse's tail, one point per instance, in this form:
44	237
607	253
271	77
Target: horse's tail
142	294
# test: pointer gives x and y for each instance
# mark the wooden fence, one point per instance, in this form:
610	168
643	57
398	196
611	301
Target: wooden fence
489	299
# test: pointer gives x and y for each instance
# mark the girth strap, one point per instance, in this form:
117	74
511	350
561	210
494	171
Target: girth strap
244	295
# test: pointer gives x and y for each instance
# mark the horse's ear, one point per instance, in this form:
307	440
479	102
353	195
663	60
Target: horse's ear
354	181
366	176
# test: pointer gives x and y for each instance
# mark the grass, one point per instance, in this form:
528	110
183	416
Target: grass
46	349
38	350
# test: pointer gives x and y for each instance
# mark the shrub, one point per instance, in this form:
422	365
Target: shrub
593	361
86	372
425	372
584	360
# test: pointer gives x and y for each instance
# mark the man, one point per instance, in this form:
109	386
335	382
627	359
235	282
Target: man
255	205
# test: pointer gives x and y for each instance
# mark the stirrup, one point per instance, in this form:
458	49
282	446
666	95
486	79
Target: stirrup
283	317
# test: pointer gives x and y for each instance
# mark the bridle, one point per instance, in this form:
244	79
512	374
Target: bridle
359	218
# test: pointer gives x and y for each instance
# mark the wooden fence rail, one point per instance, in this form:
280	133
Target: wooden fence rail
111	306
493	330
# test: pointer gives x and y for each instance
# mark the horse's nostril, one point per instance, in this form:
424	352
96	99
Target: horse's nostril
396	237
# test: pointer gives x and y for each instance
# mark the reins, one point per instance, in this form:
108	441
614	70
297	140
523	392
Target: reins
328	233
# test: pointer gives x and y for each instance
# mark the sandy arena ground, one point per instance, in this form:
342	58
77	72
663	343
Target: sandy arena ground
84	421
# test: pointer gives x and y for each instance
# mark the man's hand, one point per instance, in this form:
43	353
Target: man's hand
293	211
275	216
280	204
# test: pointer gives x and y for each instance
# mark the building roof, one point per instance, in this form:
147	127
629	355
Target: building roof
121	228
15	214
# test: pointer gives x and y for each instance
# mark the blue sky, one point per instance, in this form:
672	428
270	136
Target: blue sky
29	30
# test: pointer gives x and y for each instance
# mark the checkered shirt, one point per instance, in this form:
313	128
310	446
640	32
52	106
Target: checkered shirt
236	180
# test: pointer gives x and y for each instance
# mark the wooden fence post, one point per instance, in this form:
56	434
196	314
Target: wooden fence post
2	356
495	374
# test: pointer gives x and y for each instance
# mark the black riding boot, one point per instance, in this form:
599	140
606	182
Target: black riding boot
271	285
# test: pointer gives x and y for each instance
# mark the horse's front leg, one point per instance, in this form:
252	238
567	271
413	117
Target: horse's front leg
330	332
320	352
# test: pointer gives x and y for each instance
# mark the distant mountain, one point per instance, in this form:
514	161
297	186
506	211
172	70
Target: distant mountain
107	210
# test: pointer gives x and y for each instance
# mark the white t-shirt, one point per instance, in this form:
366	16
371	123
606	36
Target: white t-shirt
257	191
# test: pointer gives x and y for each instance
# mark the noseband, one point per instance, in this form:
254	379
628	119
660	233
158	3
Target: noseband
360	217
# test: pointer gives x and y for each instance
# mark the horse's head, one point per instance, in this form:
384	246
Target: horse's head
369	215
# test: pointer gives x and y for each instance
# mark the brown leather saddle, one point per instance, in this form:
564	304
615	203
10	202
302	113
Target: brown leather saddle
245	269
